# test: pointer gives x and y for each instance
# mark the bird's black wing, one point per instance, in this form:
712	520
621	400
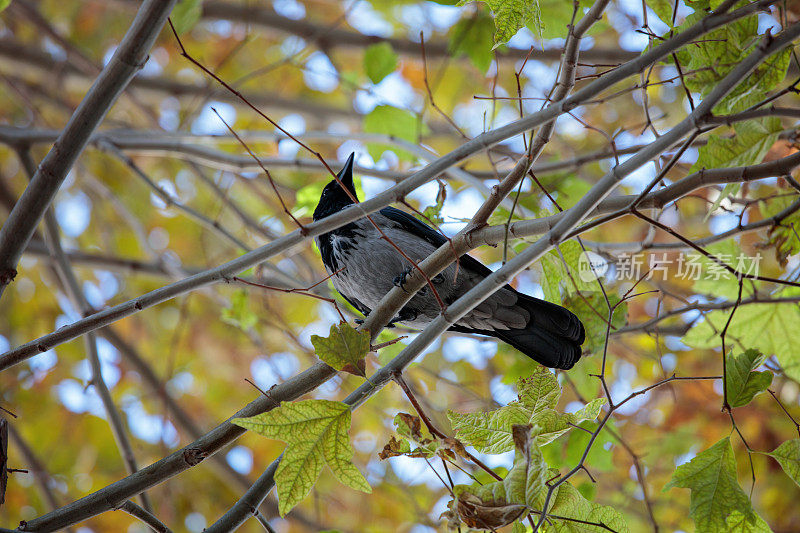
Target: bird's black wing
552	335
424	231
414	226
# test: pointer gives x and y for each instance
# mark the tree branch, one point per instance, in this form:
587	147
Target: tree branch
145	516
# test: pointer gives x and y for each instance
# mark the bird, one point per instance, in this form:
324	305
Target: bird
364	266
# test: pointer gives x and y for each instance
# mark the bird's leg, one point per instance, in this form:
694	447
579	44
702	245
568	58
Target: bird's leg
400	280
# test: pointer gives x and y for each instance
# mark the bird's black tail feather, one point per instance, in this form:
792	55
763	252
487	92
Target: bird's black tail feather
542	346
552	337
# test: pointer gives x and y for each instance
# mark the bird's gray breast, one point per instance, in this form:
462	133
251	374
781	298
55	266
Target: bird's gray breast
370	263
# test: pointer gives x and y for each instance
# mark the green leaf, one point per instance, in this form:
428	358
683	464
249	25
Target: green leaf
510	16
500	503
551	278
568	502
743	383
770	328
491	432
433	213
755	87
751	141
564	273
379	61
388	353
307	198
738	522
710	59
788	456
316	434
393	121
518	528
586	385
344	346
712	278
571	190
716	493
396	122
473	37
663	9
185	15
239	313
601	454
4	4
557	15
560	454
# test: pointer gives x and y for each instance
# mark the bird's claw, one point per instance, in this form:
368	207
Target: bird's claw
400	279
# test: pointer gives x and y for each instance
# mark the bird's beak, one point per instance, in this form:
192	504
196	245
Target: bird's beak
346	174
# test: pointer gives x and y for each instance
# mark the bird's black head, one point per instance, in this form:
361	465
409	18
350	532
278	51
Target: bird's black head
334	198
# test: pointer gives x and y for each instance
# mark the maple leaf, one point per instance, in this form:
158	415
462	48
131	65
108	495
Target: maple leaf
316	434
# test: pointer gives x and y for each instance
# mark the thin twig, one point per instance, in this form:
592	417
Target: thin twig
145	516
398	378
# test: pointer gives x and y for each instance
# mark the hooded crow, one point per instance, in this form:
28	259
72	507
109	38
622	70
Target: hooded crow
364	267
